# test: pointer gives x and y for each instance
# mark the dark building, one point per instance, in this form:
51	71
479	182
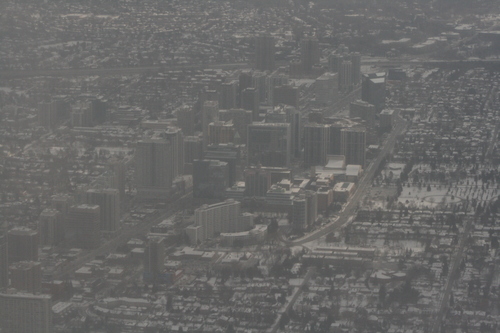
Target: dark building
257	182
84	220
269	144
316	137
22	245
250	101
227	96
310	54
4	261
50	227
353	145
373	90
228	153
287	95
264	53
26	276
210	179
335	145
185	120
108	201
154	260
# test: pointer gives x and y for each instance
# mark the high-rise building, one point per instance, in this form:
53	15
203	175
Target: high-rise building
217	218
356	68
316	137
257	182
264	53
345	76
386	118
221	132
81	115
209	114
4	261
193	150
157	163
241	119
373	89
50	114
26	276
334	61
62	202
99	110
108	201
154	259
185	119
269	144
304	210
250	101
259	83
176	138
326	88
310	54
210	179
335	144
228	153
84	220
353	145
287	95
50	227
227	96
23	245
25	313
273	81
244	82
363	110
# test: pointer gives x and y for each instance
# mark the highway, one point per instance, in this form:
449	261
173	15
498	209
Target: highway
71	72
365	181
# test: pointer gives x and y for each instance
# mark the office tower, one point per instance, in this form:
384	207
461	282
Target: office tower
157	163
257	182
25	313
81	114
287	95
304	210
108	201
356	68
26	276
334	62
50	227
345	76
250	101
244	82
326	88
228	153
386	118
84	220
154	259
221	132
295	69
316	137
118	177
241	119
353	145
273	81
4	261
264	53
193	150
217	218
373	90
269	144
310	54
185	119
227	96
61	203
288	114
51	114
210	179
259	83
176	138
99	110
363	110
209	114
23	245
335	145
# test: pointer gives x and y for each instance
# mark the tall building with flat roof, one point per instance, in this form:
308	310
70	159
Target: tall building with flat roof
185	119
210	179
108	201
154	258
326	89
25	313
373	89
363	110
316	137
228	94
85	221
217	218
4	261
209	114
26	276
269	144
250	101
310	53
257	182
50	227
221	132
264	53
353	145
23	244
